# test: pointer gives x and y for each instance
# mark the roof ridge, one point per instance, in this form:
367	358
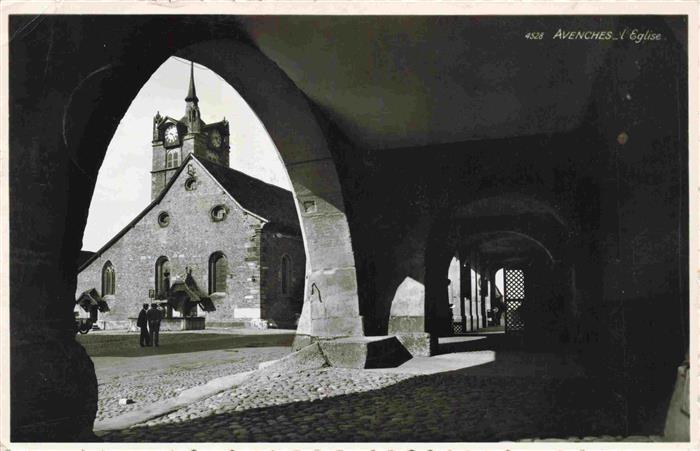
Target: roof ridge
236	171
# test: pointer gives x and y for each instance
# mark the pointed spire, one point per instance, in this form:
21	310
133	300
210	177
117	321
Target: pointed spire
192	93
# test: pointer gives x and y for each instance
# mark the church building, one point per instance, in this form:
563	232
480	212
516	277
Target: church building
214	247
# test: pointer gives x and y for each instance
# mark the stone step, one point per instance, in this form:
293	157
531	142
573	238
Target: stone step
365	352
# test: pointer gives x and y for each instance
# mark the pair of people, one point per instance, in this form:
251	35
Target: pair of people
149	323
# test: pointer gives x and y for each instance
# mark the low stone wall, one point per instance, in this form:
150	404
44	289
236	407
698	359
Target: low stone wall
243	323
115	325
189	323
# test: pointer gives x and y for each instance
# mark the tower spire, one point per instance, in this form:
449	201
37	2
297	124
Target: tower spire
192	92
192	115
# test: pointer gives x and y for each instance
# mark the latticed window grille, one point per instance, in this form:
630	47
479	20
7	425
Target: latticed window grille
514	293
514	284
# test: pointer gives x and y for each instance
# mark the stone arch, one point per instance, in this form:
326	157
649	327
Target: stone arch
513	202
308	157
494	219
81	114
286	115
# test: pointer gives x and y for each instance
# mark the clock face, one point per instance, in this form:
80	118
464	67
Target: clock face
171	135
215	138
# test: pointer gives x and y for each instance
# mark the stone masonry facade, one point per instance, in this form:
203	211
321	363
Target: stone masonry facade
188	241
237	236
280	304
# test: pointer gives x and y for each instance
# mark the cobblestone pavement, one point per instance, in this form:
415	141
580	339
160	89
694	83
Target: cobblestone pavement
155	383
333	404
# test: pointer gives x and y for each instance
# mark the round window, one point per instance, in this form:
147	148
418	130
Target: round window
218	213
164	219
191	184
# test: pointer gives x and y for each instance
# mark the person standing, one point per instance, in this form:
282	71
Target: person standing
154	316
142	323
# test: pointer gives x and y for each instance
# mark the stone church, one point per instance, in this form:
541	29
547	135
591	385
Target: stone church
215	246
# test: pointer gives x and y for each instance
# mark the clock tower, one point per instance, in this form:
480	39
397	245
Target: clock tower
174	139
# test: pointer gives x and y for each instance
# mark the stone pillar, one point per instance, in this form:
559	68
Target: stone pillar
482	293
469	296
407	318
331	305
643	217
492	292
53	394
438	312
465	293
53	387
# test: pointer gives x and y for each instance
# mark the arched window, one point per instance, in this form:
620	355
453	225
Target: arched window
286	273
162	277
218	270
108	279
172	159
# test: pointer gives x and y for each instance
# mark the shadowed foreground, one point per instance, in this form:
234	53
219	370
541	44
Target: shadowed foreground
517	396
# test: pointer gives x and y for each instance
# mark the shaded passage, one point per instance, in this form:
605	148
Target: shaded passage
491	402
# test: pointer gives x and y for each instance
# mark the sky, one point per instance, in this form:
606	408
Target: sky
123	186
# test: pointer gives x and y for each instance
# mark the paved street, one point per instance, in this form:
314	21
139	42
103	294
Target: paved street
183	360
510	396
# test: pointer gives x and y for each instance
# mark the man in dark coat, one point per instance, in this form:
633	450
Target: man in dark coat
154	316
142	323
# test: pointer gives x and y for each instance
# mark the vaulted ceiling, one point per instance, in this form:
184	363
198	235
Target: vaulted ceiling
409	81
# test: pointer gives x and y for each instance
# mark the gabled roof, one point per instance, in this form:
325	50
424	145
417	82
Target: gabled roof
187	292
268	202
91	298
272	203
223	122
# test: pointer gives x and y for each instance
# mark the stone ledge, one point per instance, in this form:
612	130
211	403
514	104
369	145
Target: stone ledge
350	352
365	352
419	344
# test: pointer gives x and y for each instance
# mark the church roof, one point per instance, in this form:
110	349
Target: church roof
268	202
185	120
215	125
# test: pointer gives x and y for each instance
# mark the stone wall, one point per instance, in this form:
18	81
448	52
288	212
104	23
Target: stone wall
282	309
